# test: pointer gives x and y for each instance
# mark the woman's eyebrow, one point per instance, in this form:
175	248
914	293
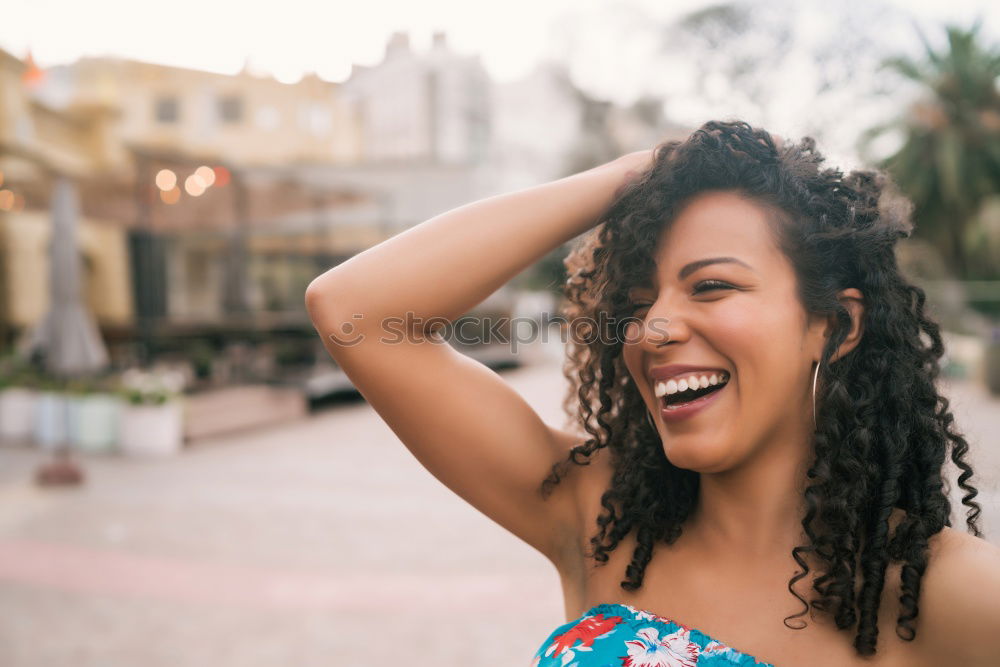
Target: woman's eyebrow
691	267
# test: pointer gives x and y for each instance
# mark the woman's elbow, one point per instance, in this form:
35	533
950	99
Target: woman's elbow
319	297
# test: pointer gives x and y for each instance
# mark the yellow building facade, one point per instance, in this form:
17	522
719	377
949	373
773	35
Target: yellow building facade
38	143
243	119
110	125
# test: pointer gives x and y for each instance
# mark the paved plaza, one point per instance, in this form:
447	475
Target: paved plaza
322	542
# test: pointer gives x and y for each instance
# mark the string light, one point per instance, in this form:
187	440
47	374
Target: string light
171	196
221	176
194	185
166	179
206	174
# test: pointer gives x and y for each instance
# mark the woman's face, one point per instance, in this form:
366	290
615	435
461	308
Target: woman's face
740	317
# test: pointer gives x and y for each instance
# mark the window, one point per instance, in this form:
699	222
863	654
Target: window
231	109
315	119
268	118
167	109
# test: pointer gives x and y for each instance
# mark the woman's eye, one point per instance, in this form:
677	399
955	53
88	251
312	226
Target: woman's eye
703	286
708	285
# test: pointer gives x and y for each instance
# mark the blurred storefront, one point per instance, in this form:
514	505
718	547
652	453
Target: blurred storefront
186	249
38	144
209	201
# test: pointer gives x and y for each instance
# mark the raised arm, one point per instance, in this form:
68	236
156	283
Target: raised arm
461	420
445	266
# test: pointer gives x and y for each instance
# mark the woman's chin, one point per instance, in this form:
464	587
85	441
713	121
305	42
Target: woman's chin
697	457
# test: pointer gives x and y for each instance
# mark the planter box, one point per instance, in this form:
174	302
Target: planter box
150	431
231	409
17	414
93	423
51	420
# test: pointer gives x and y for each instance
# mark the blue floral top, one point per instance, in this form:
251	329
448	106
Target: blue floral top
619	635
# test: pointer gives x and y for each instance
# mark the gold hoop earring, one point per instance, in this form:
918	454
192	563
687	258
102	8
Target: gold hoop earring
649	418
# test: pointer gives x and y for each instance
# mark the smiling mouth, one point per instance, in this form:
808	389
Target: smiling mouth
687	396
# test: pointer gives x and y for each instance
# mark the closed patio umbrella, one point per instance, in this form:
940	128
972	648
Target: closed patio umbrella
67	336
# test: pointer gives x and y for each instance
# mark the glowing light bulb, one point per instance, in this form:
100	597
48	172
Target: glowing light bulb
206	174
221	176
171	196
166	179
194	186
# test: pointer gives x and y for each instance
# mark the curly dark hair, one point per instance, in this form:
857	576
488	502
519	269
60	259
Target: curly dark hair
883	427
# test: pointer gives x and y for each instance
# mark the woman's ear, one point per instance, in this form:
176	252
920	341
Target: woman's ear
854	301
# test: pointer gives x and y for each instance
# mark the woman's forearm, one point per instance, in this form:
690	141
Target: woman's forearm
446	265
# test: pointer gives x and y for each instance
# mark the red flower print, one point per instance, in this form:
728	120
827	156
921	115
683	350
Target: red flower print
586	631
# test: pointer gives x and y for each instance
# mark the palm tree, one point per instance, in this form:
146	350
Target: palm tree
949	163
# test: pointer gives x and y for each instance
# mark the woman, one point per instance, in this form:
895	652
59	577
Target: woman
756	393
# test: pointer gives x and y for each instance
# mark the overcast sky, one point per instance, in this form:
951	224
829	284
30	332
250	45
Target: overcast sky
326	37
607	43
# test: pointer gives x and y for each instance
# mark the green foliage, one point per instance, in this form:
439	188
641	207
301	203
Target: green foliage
140	387
16	371
201	354
13	372
949	162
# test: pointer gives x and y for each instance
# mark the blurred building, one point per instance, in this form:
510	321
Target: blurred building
538	119
432	106
545	127
37	144
209	201
192	254
241	119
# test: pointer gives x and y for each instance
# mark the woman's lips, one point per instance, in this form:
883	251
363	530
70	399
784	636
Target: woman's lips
686	410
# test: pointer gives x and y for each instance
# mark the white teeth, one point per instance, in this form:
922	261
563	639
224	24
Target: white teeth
673	386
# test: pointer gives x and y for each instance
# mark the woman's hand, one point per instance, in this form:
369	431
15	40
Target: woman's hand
633	165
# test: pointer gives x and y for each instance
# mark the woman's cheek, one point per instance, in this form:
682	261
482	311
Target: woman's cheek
633	331
633	361
738	323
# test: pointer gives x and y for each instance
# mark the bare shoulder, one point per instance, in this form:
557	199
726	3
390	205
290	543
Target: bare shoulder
959	608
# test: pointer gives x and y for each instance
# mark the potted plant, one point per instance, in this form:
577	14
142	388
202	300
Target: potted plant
18	396
201	355
151	416
93	415
51	414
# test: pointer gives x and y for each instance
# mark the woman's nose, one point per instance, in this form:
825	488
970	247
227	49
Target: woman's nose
660	327
656	331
